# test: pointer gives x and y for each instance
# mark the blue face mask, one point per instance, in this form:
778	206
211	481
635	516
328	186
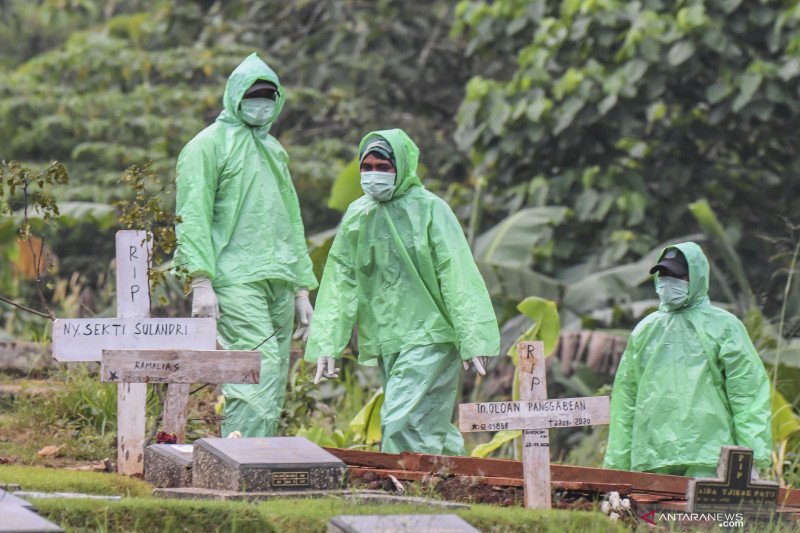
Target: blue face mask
378	185
672	292
256	111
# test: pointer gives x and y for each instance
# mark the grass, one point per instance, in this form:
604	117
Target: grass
54	480
304	515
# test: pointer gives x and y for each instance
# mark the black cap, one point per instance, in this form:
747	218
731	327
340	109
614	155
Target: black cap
672	263
261	86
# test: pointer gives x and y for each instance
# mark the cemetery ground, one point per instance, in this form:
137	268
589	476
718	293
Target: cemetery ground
55	434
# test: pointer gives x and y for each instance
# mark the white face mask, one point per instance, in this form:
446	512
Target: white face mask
378	185
256	111
672	292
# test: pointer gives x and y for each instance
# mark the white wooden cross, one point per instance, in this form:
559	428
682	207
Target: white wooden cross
535	414
84	339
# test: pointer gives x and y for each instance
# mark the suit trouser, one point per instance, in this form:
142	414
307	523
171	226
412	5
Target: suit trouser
420	385
249	314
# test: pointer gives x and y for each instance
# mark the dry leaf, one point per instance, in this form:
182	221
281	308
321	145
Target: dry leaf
47	451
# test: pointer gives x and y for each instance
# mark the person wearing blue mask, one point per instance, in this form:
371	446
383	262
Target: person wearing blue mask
689	382
241	239
401	269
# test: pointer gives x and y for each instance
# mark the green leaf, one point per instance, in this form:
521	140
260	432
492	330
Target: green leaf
546	326
717	91
346	187
785	422
367	422
749	84
499	439
680	52
790	69
567	113
705	216
318	436
511	242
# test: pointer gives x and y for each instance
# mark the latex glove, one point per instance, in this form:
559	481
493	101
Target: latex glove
204	299
480	365
304	312
326	369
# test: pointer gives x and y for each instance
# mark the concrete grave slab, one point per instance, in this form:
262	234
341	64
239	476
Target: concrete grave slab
18	519
168	465
419	523
263	464
7	498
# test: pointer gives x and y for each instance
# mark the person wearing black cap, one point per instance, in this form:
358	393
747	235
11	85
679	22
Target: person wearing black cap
689	382
241	239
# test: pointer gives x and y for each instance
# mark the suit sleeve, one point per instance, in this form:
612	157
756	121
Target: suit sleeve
623	408
197	172
466	299
336	309
748	390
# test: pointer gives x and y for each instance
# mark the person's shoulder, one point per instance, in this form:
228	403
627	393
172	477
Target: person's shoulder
207	136
357	208
728	320
647	322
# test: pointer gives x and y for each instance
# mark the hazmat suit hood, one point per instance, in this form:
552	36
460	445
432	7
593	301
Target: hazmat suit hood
698	276
406	157
248	72
689	382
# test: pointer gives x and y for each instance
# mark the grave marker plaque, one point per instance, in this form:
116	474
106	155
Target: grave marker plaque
263	464
734	490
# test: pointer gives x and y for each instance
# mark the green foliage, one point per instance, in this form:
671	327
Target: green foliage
54	480
627	111
146	212
312	515
546	328
367	423
346	187
546	324
81	412
137	514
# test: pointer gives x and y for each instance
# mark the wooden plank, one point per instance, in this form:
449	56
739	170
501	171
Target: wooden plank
133	302
577	486
176	410
643	482
180	366
536	442
133	286
84	339
537	414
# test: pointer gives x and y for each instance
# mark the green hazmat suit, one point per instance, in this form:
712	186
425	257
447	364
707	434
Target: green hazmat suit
241	228
402	270
689	382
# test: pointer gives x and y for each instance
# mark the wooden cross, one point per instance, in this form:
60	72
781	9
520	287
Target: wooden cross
180	368
84	339
535	414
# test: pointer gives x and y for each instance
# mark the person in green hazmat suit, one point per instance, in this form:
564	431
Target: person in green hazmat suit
241	239
689	382
400	268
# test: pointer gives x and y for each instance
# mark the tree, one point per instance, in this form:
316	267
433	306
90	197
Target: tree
627	111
